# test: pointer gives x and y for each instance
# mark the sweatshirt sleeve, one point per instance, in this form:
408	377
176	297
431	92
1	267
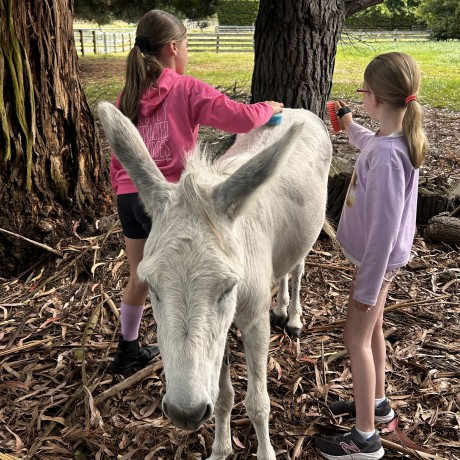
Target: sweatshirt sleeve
359	136
212	108
384	205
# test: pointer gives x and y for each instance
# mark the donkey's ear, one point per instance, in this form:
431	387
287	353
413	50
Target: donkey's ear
127	144
237	191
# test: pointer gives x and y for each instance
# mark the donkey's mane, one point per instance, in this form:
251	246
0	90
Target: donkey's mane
200	176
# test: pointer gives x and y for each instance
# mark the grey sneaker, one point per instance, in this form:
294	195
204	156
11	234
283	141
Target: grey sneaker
383	413
350	446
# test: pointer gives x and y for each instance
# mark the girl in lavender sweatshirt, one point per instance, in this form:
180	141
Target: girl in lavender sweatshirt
167	107
376	232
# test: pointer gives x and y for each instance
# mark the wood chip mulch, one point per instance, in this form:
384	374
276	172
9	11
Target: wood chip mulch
59	326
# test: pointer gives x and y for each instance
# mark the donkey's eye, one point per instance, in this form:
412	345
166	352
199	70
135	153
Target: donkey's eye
154	295
228	290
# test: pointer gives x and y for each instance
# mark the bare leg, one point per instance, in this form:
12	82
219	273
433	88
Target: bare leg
378	345
222	446
135	291
294	325
362	340
255	341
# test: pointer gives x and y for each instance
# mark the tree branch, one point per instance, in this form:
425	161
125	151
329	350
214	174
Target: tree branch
353	6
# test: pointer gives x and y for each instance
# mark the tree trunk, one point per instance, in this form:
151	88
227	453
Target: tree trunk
295	48
443	228
52	168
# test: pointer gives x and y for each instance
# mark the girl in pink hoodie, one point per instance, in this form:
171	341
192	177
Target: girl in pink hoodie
167	107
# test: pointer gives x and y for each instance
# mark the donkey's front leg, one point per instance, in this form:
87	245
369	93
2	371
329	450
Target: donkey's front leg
222	445
256	339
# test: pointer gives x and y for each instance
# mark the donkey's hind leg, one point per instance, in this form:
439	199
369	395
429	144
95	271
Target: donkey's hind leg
294	324
222	446
280	311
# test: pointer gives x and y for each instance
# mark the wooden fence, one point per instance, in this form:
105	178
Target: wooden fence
223	40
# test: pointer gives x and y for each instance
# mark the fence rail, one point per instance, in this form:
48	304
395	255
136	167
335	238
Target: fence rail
90	41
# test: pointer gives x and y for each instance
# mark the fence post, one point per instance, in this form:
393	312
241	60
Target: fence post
80	33
104	35
94	42
217	43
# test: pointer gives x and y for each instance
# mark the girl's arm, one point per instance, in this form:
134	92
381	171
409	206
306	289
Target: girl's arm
212	108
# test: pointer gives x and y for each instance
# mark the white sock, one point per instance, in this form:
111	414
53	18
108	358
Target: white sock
380	401
365	434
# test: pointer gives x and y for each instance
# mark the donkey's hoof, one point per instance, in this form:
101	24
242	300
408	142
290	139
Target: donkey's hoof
294	332
279	321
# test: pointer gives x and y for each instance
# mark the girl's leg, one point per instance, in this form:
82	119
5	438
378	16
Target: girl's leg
130	356
358	338
378	344
135	292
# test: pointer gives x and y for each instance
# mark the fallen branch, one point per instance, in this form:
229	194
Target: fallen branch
129	382
26	347
8	457
36	243
344	268
411	452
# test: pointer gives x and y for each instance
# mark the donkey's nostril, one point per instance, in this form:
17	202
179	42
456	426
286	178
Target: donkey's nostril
189	418
207	413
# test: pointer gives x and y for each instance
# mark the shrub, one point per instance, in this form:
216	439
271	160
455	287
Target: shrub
442	17
237	12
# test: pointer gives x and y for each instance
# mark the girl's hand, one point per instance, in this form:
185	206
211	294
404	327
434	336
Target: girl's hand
276	106
346	120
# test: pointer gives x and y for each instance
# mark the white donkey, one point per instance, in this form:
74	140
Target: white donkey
218	238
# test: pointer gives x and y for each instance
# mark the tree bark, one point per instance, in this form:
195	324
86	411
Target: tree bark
52	168
295	47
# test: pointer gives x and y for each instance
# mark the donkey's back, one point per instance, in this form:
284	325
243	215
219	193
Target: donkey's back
290	213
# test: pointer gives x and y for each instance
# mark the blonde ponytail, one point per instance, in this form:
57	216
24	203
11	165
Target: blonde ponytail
395	79
415	135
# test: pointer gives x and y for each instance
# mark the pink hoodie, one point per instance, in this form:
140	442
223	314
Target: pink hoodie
169	119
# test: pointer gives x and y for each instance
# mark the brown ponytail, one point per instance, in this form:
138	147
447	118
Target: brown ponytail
155	29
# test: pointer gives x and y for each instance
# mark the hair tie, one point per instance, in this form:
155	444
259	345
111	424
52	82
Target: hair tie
410	98
143	44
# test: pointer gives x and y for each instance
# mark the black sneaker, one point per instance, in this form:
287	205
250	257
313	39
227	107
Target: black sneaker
383	412
350	446
130	356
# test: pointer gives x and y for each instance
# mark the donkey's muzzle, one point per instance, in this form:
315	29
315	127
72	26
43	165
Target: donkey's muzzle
189	419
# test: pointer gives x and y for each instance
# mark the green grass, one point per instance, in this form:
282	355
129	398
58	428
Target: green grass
439	63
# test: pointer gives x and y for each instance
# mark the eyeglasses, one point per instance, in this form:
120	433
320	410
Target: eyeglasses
359	90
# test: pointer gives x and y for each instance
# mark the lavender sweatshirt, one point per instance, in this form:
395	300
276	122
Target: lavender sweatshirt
169	119
377	225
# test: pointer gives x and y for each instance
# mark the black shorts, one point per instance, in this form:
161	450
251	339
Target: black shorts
134	220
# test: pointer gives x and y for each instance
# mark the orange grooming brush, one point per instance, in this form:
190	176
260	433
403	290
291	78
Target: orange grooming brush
330	106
